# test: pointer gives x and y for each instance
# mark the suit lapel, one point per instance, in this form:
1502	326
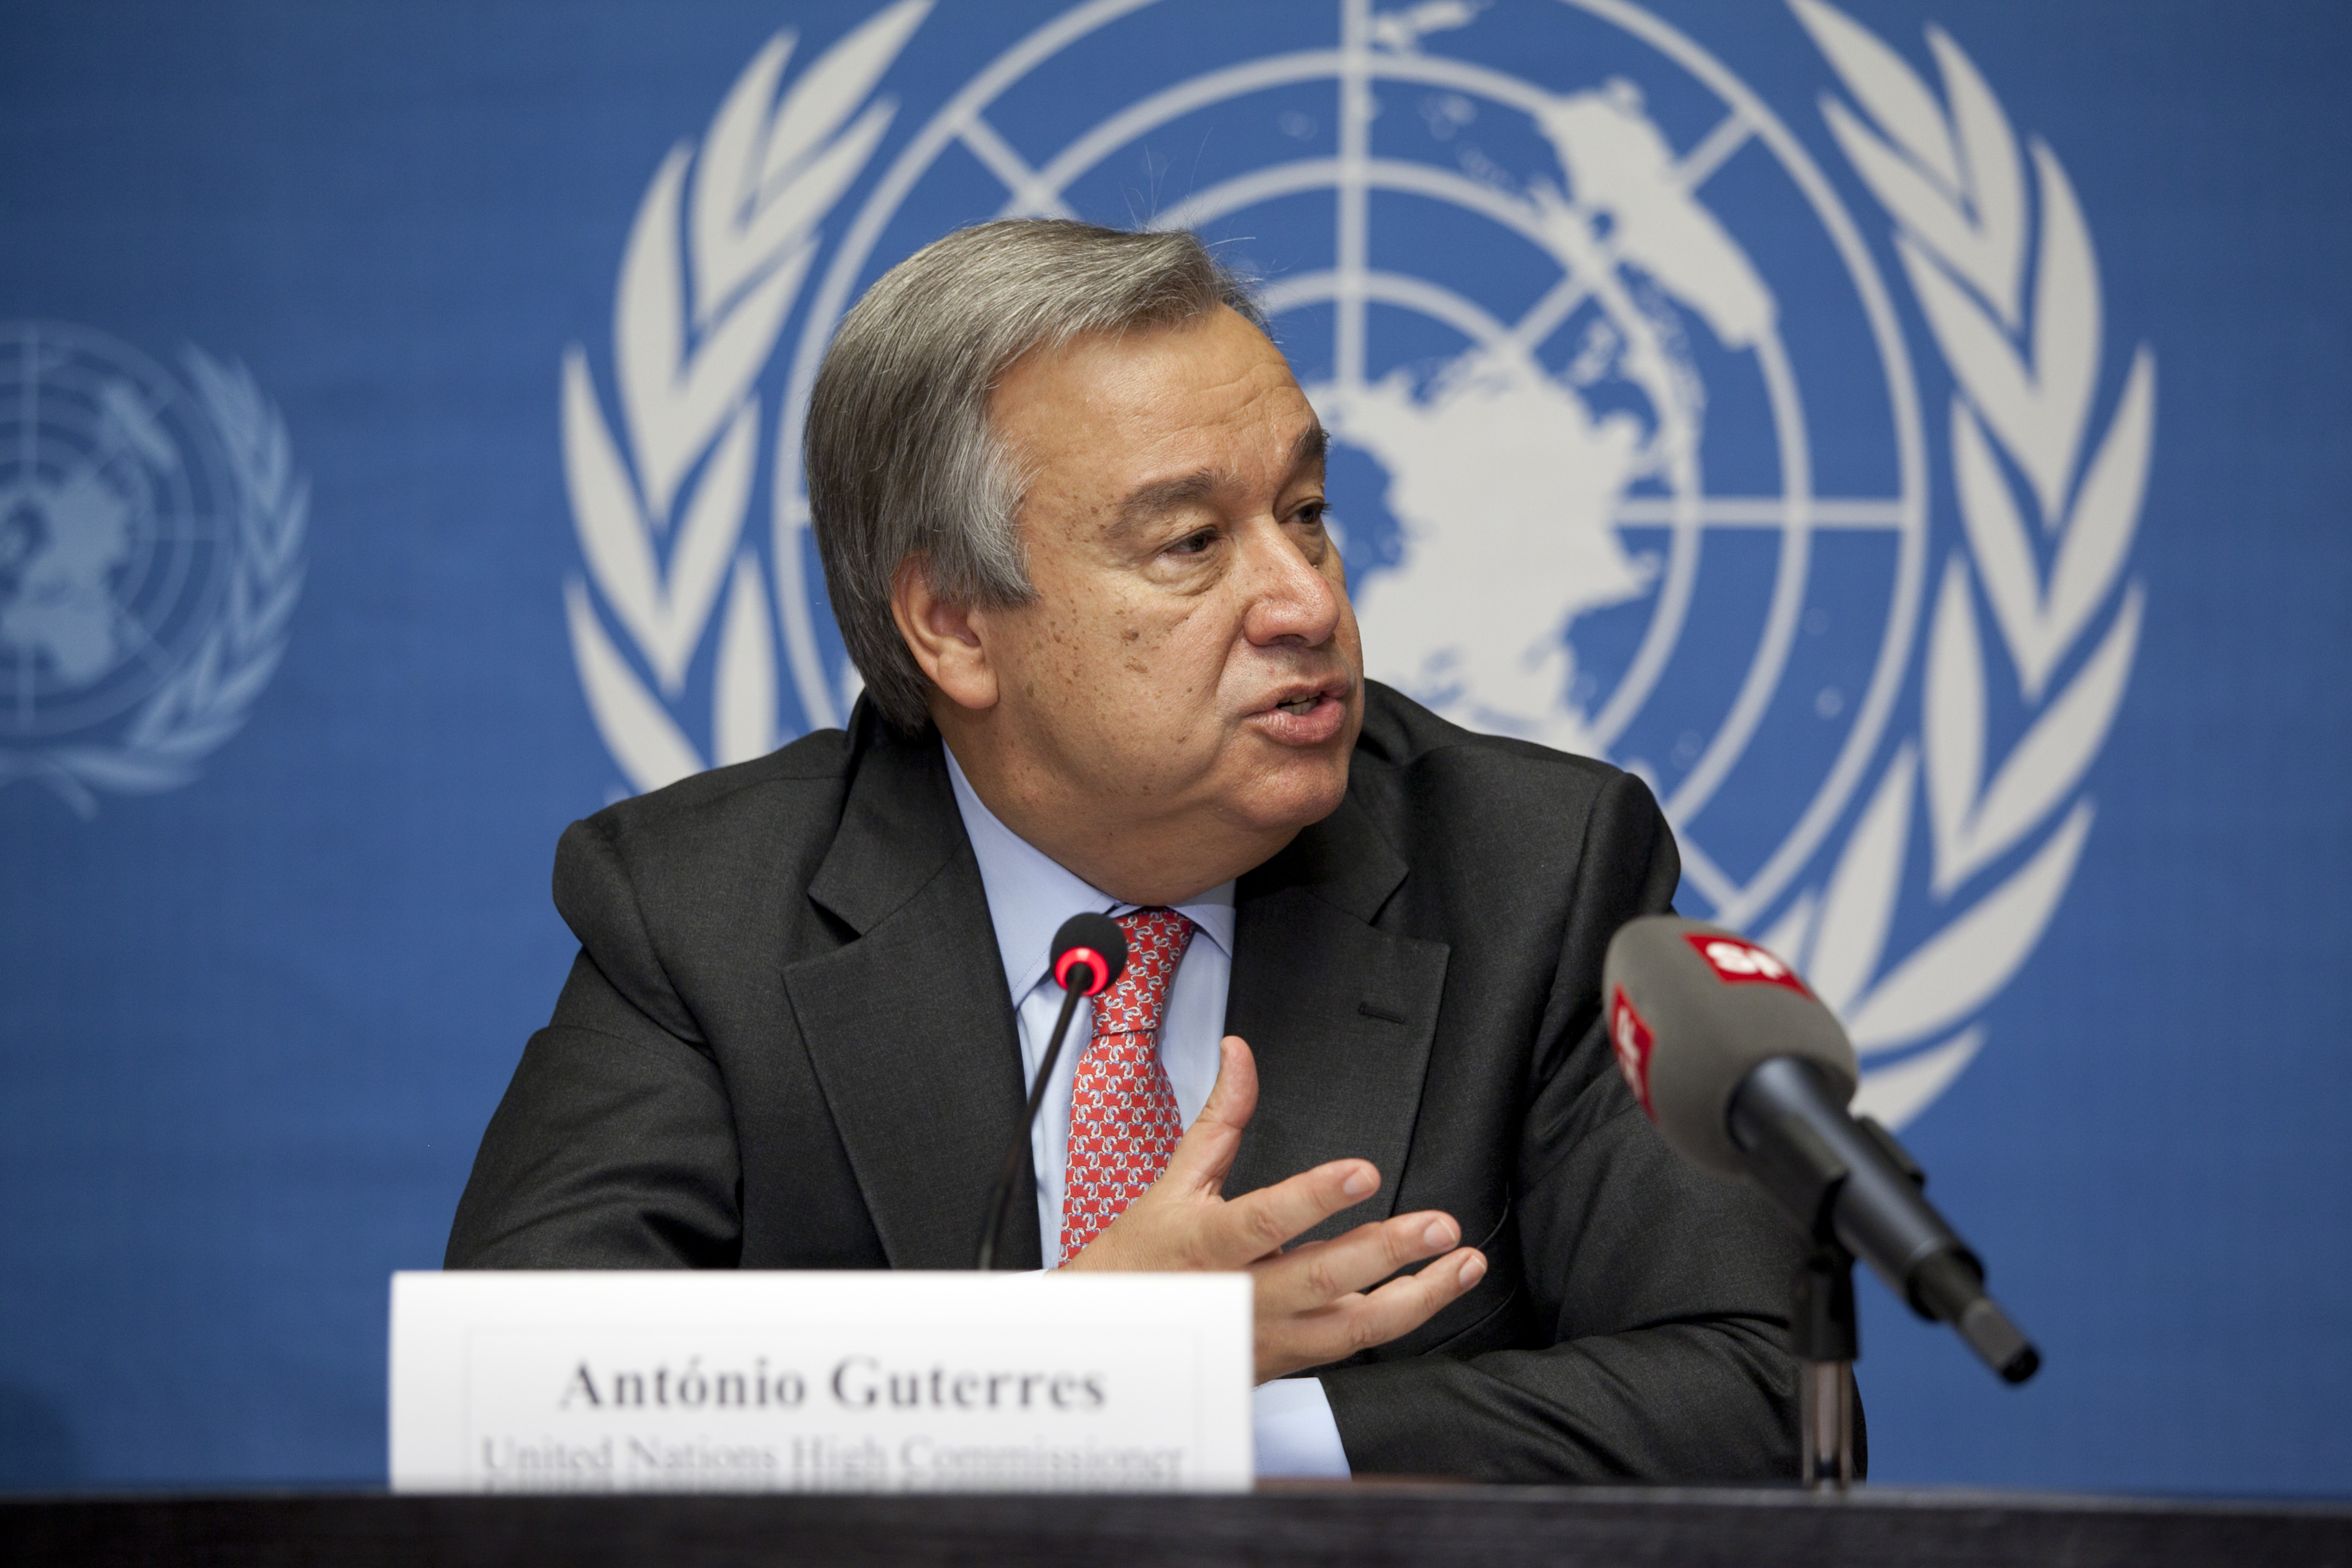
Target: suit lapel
908	1026
1338	1014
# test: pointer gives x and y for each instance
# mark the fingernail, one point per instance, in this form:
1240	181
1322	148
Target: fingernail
1473	1268
1439	1234
1360	1184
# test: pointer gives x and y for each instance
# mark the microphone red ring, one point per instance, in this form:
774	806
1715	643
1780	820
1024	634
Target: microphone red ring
1097	965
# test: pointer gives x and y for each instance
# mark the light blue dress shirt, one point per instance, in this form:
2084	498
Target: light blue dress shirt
1029	897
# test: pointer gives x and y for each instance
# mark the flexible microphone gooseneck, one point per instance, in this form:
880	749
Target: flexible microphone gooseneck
1745	1072
1090	953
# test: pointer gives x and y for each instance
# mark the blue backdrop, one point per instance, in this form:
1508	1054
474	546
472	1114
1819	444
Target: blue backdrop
1911	435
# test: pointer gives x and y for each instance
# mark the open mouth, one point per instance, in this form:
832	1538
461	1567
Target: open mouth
1310	718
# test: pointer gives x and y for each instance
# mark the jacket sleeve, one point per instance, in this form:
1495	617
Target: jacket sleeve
1655	1295
614	1146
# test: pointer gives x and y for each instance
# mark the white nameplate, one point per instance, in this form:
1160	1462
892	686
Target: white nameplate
660	1381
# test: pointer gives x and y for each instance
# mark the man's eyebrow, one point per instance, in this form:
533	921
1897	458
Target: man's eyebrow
1314	444
1156	501
1153	500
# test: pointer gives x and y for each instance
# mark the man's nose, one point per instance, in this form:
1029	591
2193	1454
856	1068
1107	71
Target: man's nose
1289	599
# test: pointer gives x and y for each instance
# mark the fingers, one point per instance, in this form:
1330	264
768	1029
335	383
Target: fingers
1178	1222
1404	1303
1248	1227
1205	1153
1312	1276
1234	1096
1351	1323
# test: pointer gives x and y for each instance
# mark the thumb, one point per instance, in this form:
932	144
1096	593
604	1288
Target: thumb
1205	1154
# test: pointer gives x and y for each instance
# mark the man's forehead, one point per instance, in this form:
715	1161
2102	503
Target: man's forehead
1213	367
1224	456
1136	424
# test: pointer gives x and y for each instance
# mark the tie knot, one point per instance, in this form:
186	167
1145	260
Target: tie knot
1156	940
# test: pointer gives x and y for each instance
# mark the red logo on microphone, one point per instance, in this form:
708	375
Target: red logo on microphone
1737	962
1631	1038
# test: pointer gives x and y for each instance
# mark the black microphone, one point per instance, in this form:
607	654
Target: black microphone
1089	952
1745	1072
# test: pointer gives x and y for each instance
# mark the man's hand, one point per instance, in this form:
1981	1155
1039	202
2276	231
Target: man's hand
1312	1302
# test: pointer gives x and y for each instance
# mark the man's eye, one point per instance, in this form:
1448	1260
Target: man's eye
1193	543
1313	513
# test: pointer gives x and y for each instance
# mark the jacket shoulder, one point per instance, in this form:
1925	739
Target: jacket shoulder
1501	819
809	770
706	856
1403	740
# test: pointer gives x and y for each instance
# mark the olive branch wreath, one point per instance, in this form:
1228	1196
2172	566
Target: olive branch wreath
721	245
206	699
715	260
2019	325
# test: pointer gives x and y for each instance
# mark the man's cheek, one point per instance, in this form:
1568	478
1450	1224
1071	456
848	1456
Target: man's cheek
1350	640
1182	646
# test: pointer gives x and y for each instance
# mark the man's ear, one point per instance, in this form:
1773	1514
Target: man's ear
947	639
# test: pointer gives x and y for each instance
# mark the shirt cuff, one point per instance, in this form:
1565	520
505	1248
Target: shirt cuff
1297	1436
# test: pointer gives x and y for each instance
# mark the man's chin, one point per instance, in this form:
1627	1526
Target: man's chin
1300	792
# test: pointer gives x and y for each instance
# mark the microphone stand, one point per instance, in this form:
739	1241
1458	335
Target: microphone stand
1826	1339
1848	1181
997	1204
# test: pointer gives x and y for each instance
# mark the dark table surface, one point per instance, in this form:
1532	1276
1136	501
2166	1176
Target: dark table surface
1366	1522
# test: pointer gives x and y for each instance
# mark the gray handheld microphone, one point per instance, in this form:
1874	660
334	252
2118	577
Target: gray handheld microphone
1747	1073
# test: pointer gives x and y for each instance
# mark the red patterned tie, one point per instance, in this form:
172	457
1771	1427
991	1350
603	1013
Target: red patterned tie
1123	1119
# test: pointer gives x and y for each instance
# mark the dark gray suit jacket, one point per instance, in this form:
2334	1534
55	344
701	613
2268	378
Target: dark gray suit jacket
787	1043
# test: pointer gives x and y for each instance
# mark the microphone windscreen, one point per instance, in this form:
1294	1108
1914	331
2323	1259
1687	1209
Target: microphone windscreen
1691	1010
1098	933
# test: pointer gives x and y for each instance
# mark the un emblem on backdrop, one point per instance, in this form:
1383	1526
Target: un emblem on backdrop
1633	457
150	535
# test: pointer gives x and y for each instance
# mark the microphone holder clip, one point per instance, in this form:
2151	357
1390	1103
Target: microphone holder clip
1826	1338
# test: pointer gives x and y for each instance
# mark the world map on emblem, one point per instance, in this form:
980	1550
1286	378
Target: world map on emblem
116	508
1580	490
151	558
1631	458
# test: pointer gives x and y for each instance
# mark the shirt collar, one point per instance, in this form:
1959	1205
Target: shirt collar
1030	894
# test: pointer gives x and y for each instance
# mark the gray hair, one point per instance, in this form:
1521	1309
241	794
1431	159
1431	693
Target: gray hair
900	457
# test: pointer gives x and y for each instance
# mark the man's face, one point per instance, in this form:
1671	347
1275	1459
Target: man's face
1191	658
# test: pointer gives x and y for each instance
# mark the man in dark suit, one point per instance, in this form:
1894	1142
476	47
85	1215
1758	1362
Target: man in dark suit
1070	500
